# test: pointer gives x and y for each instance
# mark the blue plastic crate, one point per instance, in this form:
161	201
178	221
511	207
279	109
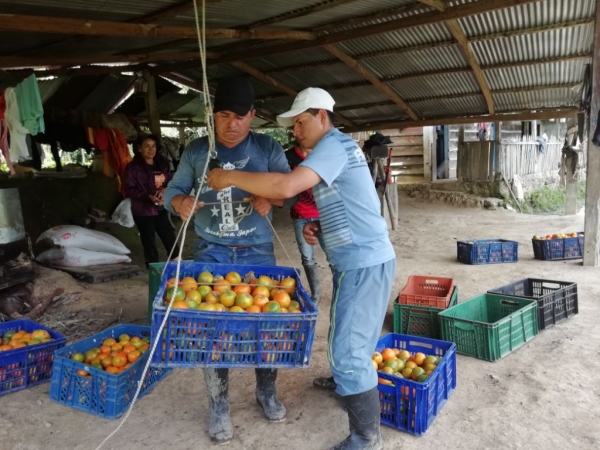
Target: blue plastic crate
224	339
28	366
559	249
408	405
104	394
487	251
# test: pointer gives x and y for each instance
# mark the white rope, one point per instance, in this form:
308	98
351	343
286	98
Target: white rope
183	230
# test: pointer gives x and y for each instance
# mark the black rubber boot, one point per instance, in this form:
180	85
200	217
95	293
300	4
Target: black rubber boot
363	415
266	395
327	384
220	429
312	276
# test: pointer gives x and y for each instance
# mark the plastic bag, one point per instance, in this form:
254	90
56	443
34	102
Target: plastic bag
122	215
518	188
78	257
79	237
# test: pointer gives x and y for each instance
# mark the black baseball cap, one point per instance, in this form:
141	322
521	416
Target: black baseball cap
235	94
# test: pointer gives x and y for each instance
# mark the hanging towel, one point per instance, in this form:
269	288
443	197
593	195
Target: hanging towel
30	105
18	133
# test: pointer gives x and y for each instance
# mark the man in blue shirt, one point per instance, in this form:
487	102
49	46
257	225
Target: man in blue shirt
229	231
357	244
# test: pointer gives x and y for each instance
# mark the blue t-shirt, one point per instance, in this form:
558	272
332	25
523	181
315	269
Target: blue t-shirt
217	223
354	232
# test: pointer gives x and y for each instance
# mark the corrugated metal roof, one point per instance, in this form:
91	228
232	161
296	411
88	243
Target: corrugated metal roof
549	44
432	59
352	89
106	94
424	87
454	107
548	98
563	72
429	34
526	16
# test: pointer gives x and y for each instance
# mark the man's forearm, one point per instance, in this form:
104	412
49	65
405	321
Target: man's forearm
269	185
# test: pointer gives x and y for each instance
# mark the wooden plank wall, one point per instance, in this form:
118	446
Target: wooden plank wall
478	161
407	155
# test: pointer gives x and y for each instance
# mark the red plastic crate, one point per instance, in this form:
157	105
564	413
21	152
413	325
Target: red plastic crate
428	291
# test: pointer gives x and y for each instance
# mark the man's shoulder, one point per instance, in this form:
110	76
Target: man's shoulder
264	141
198	144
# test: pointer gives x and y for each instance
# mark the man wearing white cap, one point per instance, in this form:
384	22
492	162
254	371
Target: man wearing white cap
356	242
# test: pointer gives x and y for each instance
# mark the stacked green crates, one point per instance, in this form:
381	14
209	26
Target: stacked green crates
420	320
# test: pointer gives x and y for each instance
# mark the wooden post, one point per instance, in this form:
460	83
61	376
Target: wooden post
429	138
591	255
152	104
462	155
497	148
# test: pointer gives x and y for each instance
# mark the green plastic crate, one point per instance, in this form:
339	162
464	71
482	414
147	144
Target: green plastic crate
420	320
490	326
154	275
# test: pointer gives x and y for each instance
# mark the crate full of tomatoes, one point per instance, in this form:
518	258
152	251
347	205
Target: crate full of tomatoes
26	354
226	315
416	375
558	246
100	374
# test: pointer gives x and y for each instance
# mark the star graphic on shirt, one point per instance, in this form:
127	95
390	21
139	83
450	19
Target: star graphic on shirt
240	210
215	211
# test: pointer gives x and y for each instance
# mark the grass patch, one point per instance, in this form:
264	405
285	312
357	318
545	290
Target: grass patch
549	200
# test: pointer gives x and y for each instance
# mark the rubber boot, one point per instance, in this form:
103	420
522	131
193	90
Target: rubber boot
327	384
312	275
363	415
220	429
266	395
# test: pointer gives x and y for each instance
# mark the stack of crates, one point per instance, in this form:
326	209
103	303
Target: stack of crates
417	307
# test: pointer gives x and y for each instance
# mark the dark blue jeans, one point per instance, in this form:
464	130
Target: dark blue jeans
254	255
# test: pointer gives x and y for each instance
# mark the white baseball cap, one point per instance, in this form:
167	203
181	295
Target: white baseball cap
309	98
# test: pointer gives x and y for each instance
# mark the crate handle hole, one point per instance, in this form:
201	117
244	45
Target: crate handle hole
432	282
421	344
509	303
551	285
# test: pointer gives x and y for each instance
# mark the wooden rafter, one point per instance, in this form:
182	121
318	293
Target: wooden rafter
319	7
60	25
157	16
448	43
464	10
372	78
437	4
457	12
521	116
465	47
336	87
46	61
278	84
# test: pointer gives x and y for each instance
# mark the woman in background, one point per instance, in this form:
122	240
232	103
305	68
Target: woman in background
145	180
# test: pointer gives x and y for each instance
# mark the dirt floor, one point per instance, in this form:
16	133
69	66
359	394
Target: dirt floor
543	396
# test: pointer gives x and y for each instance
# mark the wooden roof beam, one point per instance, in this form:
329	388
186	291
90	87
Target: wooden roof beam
372	78
437	4
278	84
301	12
456	31
416	48
59	25
46	61
556	113
456	12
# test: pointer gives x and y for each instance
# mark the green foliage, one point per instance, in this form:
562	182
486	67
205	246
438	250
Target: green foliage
549	200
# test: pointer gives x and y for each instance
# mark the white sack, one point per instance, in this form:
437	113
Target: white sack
78	257
79	237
